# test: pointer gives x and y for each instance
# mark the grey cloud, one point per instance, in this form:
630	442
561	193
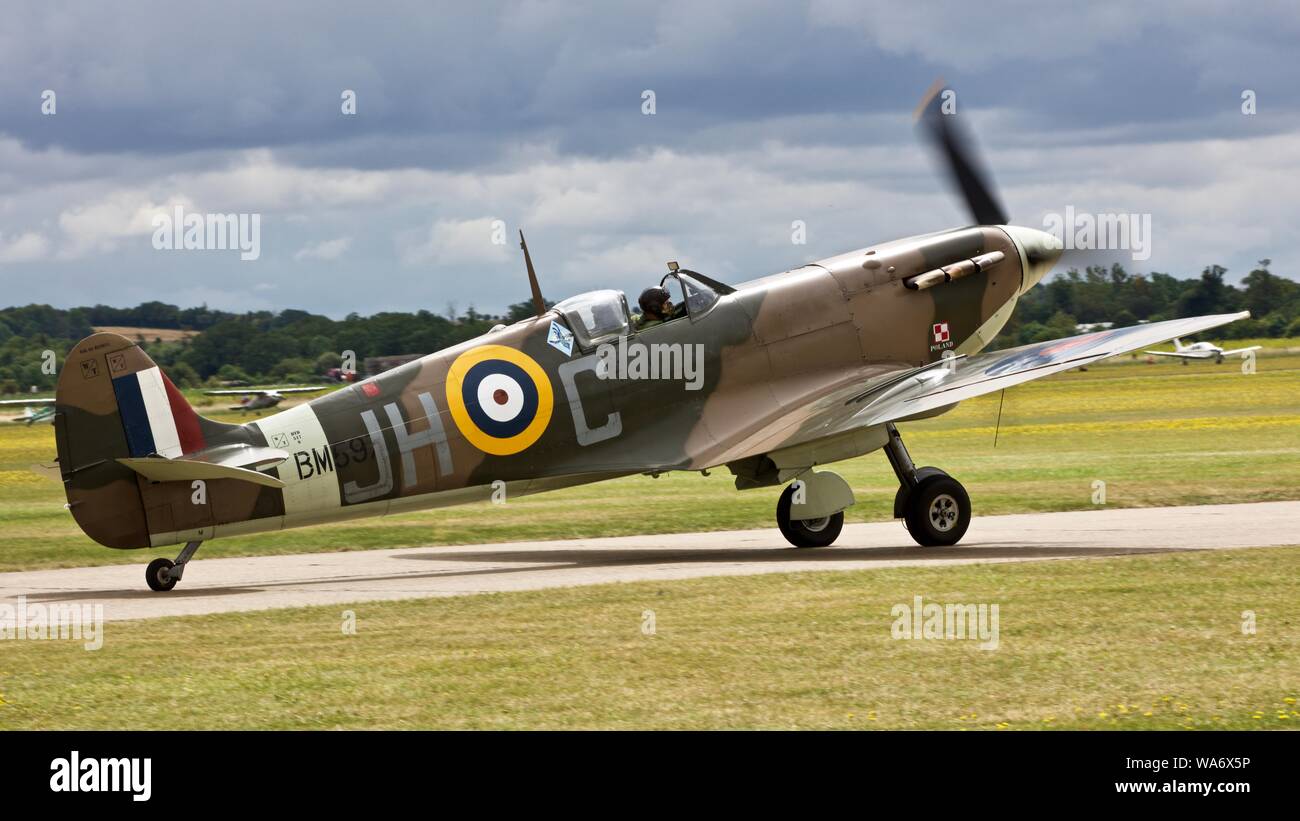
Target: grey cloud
530	112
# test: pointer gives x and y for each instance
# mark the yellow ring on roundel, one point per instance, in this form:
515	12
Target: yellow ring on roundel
485	442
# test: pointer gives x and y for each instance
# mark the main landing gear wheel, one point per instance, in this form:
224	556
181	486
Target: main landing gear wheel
933	506
806	532
900	498
159	575
937	511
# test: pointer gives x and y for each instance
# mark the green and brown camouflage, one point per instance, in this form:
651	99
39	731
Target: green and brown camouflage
781	357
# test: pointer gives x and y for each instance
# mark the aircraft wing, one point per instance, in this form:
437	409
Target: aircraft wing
27	402
300	390
966	377
1241	350
1179	354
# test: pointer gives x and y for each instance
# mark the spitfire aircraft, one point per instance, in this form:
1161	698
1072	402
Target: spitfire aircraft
262	398
1201	350
773	379
34	410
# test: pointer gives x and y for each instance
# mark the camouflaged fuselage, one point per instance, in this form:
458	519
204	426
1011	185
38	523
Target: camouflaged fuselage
512	413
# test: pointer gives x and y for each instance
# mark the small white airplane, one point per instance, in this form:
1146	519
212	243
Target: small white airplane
1201	350
34	410
259	398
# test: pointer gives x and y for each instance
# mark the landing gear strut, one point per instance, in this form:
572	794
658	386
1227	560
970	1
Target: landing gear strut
933	505
162	574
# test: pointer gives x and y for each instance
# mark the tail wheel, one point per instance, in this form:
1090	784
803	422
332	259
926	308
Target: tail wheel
158	575
819	532
937	511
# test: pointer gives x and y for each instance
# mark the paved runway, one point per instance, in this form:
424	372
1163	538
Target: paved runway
215	585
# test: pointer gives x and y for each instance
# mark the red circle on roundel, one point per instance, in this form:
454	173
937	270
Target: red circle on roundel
499	396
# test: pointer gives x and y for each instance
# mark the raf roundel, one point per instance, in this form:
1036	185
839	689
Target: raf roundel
499	398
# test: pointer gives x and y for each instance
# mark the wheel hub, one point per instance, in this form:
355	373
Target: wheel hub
943	512
815	525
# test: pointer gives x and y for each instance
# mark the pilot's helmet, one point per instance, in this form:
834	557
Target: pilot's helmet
652	299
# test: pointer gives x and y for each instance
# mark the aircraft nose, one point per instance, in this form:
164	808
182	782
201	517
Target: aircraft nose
1041	250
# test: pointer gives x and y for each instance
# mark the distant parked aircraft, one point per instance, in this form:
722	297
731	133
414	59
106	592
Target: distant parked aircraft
259	398
35	410
1201	350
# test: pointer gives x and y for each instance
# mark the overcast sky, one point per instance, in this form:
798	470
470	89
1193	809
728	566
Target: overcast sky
532	113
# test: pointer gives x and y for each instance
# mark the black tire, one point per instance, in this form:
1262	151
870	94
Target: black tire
900	498
154	575
937	511
808	532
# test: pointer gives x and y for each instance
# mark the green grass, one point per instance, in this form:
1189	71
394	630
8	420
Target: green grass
1163	434
1139	642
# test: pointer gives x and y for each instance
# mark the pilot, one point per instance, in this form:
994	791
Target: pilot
656	307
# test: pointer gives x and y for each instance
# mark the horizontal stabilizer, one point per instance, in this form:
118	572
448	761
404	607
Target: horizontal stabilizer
255	457
157	469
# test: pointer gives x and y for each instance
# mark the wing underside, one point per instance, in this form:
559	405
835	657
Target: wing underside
948	382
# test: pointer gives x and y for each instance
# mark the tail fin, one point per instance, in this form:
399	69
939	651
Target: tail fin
1178	344
113	402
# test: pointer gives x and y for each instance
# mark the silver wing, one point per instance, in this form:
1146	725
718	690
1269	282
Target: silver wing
947	383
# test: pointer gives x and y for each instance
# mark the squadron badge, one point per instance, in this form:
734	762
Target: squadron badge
560	338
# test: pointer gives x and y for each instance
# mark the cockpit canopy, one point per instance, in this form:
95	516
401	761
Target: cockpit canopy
699	295
596	316
602	316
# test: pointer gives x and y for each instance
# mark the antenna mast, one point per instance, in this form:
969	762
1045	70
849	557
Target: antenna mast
539	304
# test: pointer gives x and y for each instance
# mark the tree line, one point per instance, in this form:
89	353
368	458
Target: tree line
1111	294
254	347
